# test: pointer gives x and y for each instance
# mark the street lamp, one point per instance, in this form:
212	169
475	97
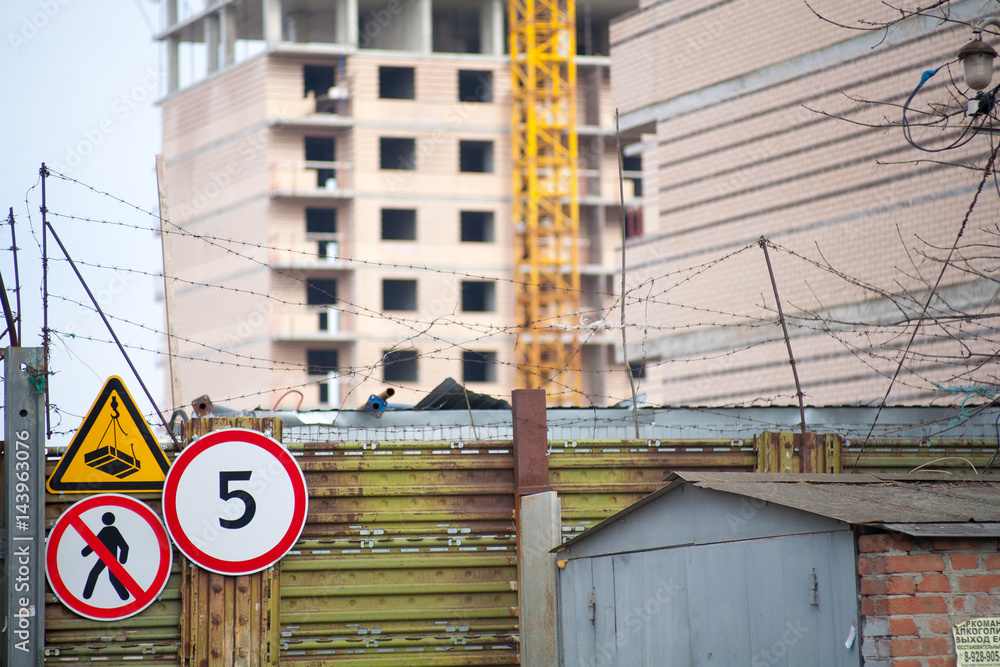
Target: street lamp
977	56
977	62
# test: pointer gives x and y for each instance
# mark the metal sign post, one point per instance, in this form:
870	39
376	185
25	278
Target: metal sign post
24	507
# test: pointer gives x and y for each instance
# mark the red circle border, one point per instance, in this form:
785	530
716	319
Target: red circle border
299	511
132	608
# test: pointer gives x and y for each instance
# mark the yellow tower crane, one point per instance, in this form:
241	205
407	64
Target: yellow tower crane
546	197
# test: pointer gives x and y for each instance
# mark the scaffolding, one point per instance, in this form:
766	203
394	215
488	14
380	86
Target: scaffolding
546	198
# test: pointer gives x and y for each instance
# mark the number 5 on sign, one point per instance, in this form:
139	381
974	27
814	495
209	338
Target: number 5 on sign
235	501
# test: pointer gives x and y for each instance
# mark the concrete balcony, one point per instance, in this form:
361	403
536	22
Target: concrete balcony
310	180
313	324
310	252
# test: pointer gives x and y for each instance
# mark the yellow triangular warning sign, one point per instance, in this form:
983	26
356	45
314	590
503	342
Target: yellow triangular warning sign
113	450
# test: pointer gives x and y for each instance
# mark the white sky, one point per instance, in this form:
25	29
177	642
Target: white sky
79	81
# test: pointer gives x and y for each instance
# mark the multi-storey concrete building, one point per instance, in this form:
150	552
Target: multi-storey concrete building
731	100
339	187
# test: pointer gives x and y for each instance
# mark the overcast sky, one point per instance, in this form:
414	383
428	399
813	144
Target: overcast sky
80	80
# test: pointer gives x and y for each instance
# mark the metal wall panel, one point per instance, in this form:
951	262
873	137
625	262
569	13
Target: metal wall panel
407	559
151	637
732	603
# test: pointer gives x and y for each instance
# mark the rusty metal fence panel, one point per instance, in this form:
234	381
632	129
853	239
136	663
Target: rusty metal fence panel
597	478
964	457
151	637
407	559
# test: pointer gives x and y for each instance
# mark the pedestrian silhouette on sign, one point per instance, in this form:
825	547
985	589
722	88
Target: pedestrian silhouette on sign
113	541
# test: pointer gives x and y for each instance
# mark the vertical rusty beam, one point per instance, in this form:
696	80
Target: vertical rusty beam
531	441
776	452
538	529
229	621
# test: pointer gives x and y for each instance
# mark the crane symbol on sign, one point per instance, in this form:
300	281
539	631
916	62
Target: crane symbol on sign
110	458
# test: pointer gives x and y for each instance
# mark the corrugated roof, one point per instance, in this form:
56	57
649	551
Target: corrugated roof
866	499
919	505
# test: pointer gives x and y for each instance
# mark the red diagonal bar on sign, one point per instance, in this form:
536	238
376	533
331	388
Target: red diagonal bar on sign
109	559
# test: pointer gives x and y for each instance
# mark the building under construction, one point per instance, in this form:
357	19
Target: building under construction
366	193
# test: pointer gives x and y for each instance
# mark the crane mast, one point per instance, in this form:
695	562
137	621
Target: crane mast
546	197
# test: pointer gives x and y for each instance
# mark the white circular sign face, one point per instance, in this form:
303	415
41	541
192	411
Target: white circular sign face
108	557
235	501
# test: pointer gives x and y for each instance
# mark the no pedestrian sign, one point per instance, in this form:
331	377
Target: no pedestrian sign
235	501
108	557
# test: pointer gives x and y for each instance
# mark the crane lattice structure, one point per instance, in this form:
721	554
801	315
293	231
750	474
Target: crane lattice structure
546	197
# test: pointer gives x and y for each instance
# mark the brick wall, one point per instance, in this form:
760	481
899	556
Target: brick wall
913	590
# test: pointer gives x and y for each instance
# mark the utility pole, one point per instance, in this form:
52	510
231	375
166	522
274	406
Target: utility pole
166	240
23	579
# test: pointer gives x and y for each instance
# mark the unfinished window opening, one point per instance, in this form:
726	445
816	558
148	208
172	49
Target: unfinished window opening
397	153
399	365
321	220
318	79
475	156
321	292
479	366
399	224
321	362
478	296
396	83
477	226
456	26
632	168
321	150
637	369
399	295
475	85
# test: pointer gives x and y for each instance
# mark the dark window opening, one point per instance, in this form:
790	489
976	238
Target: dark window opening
397	153
475	85
456	28
479	366
321	362
477	226
321	220
399	224
633	223
318	79
475	156
478	296
324	393
321	149
633	164
399	366
637	369
396	83
399	295
321	292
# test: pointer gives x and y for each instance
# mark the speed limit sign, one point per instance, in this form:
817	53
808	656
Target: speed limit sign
235	501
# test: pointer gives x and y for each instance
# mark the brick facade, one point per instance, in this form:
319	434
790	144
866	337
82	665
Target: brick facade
729	100
913	590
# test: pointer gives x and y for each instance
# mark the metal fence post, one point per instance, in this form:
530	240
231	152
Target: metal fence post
24	507
538	524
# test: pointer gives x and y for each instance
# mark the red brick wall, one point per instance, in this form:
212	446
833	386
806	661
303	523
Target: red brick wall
914	589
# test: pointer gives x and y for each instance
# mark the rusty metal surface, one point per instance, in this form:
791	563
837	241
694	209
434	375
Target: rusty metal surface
151	637
407	559
229	621
531	469
598	478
